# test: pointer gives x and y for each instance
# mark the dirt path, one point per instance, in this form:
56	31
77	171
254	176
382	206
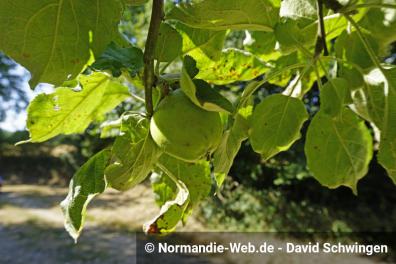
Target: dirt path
31	226
31	231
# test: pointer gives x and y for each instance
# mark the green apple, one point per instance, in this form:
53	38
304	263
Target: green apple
184	130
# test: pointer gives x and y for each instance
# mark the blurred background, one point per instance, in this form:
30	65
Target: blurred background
278	195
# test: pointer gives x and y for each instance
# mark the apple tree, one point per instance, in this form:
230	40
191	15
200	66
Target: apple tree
190	132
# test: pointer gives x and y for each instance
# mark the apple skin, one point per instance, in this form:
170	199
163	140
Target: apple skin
184	130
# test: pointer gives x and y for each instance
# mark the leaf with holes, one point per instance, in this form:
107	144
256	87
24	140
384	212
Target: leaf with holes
68	111
233	65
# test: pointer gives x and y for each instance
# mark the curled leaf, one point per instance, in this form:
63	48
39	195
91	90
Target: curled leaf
88	182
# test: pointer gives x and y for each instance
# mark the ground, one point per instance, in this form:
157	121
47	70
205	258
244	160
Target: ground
31	230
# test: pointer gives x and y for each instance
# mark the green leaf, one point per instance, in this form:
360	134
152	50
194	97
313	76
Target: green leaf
227	14
261	44
289	37
303	81
202	94
163	187
386	155
181	187
334	96
381	23
110	129
338	149
375	101
335	25
116	59
190	66
369	101
169	44
196	176
53	38
292	34
353	75
279	65
68	111
349	47
276	123
299	9
233	65
171	212
200	42
88	182
134	154
210	99
369	97
225	154
387	148
136	2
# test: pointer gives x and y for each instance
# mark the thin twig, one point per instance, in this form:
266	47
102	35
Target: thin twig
318	78
149	77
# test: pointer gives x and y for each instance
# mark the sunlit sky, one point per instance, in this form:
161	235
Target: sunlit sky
17	121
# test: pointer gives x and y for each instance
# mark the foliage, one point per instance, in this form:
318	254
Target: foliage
295	45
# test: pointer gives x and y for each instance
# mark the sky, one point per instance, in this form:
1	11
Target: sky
17	121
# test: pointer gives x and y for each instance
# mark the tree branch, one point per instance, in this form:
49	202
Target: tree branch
149	77
321	37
